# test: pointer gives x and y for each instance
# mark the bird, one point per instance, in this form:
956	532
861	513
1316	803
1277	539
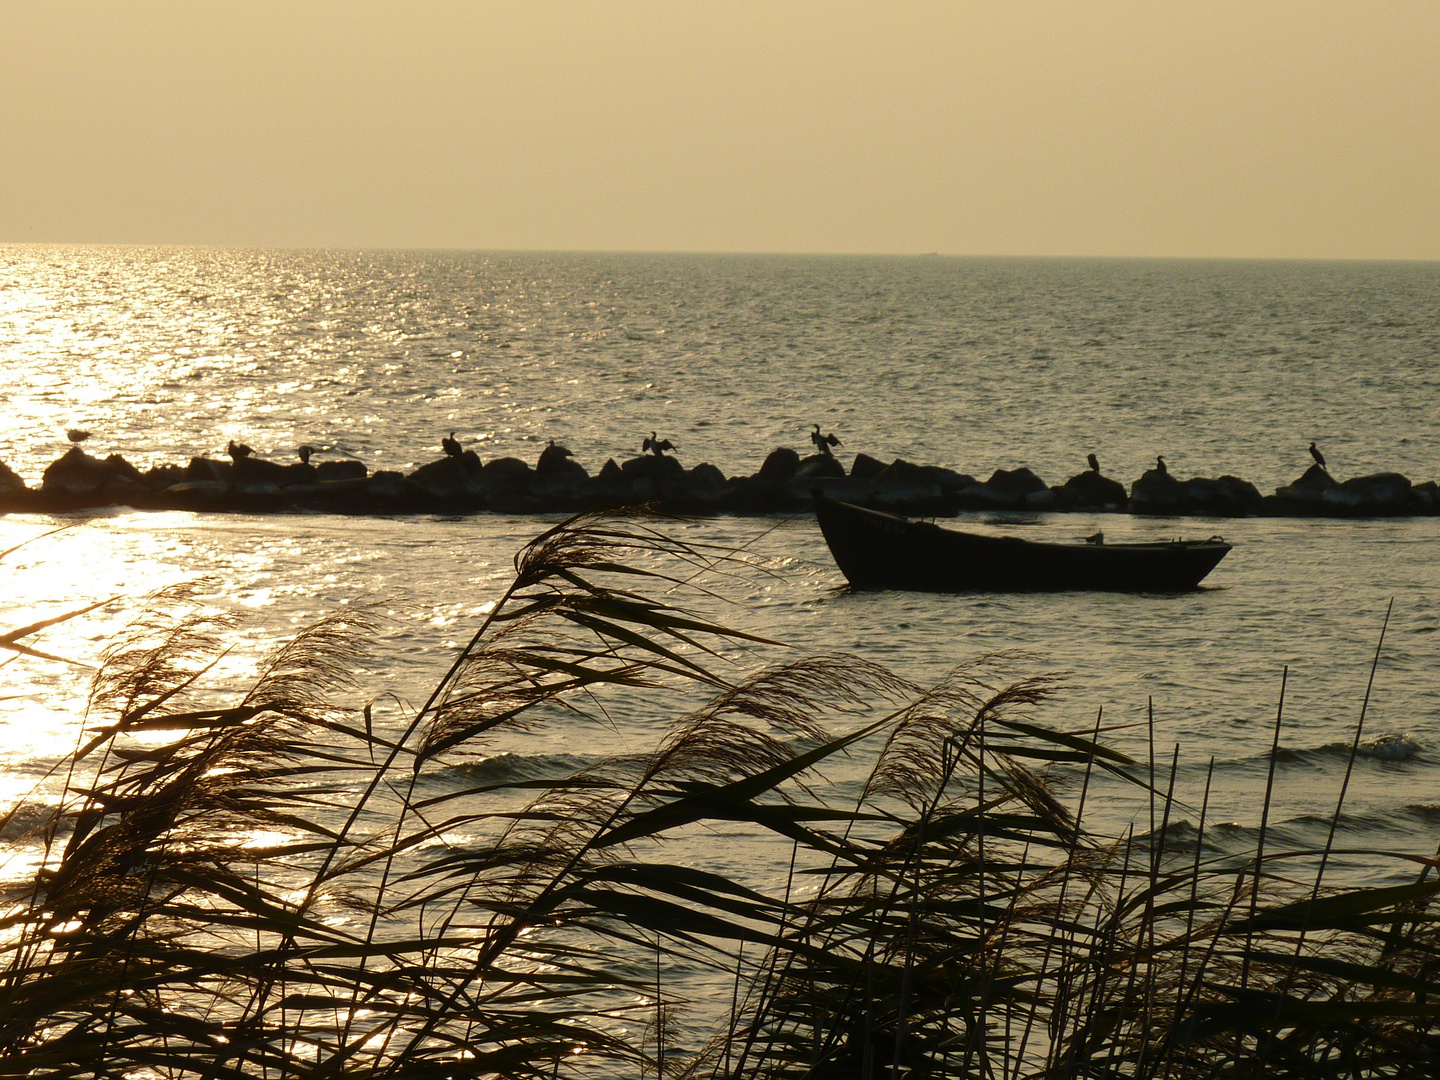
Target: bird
1094	462
77	435
450	446
304	453
1319	457
656	446
1160	466
237	451
561	451
823	442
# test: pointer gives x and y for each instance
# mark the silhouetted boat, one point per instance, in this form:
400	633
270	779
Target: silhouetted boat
875	550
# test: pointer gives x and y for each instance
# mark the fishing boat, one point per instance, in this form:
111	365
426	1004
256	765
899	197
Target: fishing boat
875	550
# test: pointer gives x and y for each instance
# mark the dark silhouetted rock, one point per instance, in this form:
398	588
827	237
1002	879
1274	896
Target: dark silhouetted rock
780	465
163	476
345	469
254	474
1156	493
1425	498
651	467
1010	488
505	480
817	466
447	480
1310	487
611	472
1228	496
205	470
865	467
909	488
390	492
11	486
556	459
1380	493
1091	491
76	479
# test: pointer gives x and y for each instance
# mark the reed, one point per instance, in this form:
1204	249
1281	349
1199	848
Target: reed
215	900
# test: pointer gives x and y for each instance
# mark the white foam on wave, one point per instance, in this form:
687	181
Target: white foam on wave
1391	746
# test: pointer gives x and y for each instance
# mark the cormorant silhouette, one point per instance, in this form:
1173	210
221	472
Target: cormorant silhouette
655	446
450	445
1160	466
237	451
304	453
824	442
1319	457
563	451
1094	462
77	435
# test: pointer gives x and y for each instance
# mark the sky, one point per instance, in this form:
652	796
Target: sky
1216	129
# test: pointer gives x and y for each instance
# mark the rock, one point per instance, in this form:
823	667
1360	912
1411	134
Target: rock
389	492
652	467
902	483
1091	491
1310	487
556	459
11	485
1229	496
162	477
817	465
203	470
1380	493
74	473
1425	497
1156	493
780	465
1010	487
258	476
559	479
447	480
505	479
77	479
345	469
865	467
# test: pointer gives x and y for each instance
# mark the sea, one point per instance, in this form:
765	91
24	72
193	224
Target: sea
974	364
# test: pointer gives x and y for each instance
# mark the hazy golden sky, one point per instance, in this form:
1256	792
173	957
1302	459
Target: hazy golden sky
1209	129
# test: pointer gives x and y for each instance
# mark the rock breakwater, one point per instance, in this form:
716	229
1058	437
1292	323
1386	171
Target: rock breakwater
785	482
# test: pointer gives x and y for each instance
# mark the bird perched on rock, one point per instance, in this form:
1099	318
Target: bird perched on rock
77	435
237	451
451	446
1160	466
655	446
823	442
1094	462
304	453
1319	457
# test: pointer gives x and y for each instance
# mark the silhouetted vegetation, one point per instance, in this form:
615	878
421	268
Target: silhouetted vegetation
214	899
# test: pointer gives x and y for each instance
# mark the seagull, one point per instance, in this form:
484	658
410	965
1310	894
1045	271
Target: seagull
304	453
1319	457
823	442
1160	466
656	446
450	446
1094	462
237	451
77	435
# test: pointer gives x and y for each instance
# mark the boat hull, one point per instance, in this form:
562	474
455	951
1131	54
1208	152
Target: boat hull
875	550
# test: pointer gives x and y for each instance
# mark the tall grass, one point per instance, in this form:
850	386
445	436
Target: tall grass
264	883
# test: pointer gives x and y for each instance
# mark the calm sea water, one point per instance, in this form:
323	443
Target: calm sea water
973	364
